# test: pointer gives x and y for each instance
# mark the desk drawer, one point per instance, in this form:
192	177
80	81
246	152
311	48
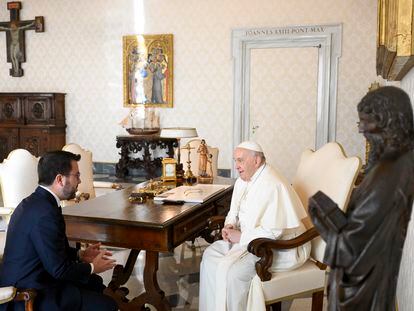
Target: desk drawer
189	226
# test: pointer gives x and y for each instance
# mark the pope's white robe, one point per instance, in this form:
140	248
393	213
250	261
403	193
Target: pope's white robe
266	206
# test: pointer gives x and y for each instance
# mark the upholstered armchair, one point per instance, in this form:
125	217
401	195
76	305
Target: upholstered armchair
328	170
18	179
88	188
10	293
194	144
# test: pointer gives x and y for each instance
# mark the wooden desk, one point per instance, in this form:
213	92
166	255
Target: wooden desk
114	221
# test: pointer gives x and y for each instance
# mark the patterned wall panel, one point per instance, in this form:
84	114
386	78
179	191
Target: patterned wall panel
80	53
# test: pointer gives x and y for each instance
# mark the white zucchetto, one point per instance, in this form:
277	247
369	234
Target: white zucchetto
250	145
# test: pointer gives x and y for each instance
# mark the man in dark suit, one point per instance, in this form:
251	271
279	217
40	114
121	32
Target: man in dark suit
37	253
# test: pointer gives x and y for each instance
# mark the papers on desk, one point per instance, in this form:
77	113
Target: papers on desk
191	194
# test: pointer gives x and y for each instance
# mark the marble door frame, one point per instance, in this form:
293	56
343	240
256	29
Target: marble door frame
327	38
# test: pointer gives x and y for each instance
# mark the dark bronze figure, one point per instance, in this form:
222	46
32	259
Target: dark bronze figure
365	244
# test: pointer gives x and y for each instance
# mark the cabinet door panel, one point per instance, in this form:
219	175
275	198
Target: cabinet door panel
33	121
34	140
9	140
10	110
37	110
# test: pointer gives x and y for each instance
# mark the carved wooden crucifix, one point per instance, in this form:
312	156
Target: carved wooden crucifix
15	33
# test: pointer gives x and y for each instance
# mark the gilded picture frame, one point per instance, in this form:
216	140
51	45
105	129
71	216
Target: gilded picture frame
395	39
148	70
169	169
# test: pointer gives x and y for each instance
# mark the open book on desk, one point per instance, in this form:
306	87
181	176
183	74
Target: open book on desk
191	194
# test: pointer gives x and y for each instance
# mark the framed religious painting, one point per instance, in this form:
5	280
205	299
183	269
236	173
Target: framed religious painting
395	39
148	70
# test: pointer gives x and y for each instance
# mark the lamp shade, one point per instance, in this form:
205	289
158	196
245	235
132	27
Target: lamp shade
178	132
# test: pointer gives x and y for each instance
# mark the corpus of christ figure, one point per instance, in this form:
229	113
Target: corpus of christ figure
15	36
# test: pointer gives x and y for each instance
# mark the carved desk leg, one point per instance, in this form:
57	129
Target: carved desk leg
153	294
148	162
122	165
169	145
171	148
120	276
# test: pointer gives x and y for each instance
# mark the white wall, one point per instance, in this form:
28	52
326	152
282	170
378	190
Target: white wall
81	54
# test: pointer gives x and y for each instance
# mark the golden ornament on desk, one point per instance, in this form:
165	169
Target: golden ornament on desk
151	189
169	169
178	133
189	177
137	197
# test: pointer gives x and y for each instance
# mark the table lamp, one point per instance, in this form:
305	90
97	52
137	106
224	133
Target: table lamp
178	133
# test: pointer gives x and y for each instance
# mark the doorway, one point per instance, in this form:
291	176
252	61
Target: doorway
285	85
283	99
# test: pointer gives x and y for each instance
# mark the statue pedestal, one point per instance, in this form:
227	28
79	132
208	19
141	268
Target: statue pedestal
205	179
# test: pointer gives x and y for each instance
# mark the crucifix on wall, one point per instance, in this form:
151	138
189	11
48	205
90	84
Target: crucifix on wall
15	36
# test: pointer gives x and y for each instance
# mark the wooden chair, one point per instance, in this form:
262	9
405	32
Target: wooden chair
11	293
330	171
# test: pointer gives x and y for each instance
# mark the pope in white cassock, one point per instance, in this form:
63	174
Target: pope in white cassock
263	204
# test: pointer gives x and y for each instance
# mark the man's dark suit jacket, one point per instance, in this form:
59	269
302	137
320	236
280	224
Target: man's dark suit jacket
37	253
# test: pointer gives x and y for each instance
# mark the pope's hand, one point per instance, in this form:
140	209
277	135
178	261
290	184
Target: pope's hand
225	232
233	235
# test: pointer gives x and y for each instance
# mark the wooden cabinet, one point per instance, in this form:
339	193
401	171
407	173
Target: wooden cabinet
33	121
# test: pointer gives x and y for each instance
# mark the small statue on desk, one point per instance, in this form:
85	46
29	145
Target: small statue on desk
202	158
204	161
365	244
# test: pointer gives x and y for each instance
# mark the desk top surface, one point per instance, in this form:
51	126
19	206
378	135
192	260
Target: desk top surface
115	208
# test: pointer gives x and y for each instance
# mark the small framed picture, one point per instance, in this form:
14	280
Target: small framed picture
169	169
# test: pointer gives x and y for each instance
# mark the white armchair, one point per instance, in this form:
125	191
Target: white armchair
18	179
88	188
10	293
330	171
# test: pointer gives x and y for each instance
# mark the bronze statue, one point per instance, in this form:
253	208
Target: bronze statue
365	244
